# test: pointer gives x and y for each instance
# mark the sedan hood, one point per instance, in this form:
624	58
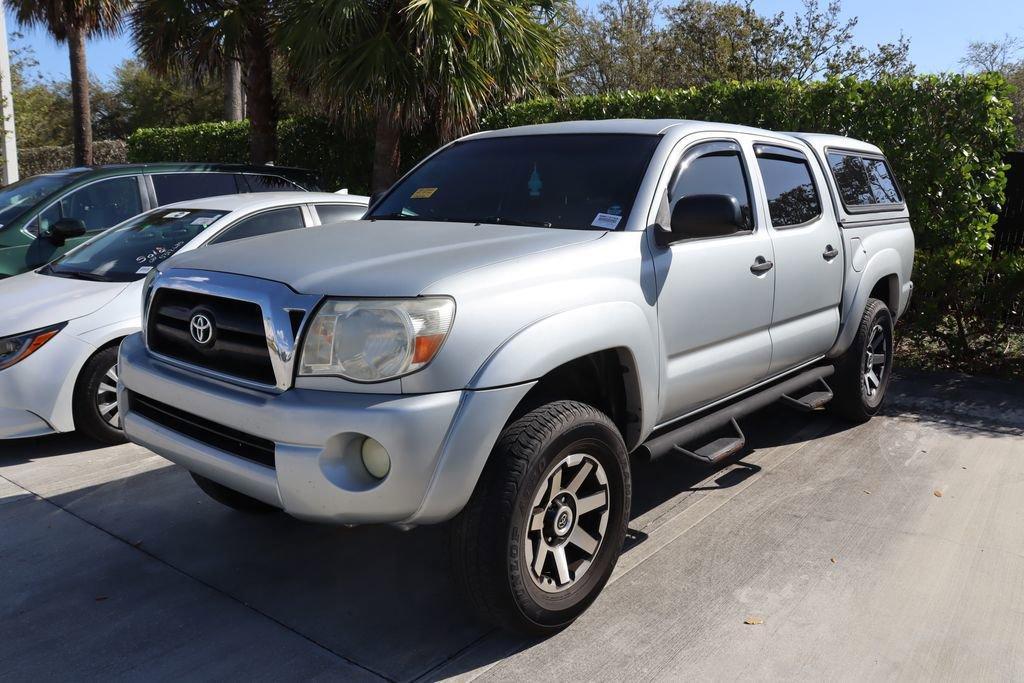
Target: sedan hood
30	301
376	258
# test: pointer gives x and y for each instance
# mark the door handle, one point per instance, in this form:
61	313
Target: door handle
830	253
761	265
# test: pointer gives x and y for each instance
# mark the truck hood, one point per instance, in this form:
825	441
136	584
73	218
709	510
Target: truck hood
30	301
376	258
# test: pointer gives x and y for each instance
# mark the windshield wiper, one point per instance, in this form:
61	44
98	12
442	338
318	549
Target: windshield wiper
75	275
398	216
499	220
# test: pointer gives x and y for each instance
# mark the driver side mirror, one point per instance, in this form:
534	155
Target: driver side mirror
65	229
703	215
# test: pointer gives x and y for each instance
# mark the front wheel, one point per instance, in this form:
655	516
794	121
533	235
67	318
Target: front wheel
544	529
94	404
863	372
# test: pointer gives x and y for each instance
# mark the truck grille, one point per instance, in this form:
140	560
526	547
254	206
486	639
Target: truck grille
215	435
238	346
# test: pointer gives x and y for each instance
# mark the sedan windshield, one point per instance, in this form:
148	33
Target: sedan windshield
130	250
19	197
584	181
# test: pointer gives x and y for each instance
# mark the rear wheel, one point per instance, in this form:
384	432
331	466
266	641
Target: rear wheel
544	529
94	405
231	498
863	372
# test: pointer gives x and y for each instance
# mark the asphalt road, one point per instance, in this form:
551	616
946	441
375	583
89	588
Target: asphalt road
889	550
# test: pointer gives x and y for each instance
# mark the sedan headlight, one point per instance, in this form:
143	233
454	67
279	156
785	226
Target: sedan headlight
17	348
373	340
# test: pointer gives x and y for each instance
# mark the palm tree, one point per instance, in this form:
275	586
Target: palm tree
404	63
73	22
201	39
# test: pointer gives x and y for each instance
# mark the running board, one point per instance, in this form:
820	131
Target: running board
811	400
718	450
667	441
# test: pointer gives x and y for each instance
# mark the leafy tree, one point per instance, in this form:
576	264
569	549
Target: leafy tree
73	22
42	115
1005	57
199	39
402	63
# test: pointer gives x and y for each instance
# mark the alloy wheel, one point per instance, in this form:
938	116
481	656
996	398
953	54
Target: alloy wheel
106	398
876	361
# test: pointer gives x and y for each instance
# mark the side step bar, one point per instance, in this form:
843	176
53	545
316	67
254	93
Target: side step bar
812	400
667	442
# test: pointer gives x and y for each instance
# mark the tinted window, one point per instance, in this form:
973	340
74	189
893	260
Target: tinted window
716	168
792	197
269	183
332	213
559	181
99	205
19	197
863	181
266	223
180	187
132	249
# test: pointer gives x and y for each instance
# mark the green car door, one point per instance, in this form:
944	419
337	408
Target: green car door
98	203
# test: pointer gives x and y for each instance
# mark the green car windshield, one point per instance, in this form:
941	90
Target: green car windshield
19	197
128	251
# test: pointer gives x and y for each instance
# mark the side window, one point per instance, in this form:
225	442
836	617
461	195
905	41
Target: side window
792	197
332	213
266	223
100	205
863	180
269	183
180	187
713	168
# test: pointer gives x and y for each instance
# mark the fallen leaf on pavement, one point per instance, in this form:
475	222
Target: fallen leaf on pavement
753	621
833	560
867	492
937	493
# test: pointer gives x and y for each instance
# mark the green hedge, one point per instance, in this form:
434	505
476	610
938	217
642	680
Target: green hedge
35	160
945	136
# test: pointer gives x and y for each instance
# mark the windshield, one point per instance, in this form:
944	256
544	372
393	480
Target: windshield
19	197
559	181
130	250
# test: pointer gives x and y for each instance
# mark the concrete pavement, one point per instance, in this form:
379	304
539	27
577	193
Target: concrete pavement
893	549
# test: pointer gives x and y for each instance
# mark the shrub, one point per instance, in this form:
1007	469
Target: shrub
35	160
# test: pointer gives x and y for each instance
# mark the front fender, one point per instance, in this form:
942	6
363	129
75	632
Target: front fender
881	265
539	348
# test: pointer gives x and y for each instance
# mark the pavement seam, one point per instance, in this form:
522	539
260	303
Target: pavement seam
201	582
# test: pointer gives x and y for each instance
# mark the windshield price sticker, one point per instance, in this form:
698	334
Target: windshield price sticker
424	193
606	220
203	221
176	214
143	270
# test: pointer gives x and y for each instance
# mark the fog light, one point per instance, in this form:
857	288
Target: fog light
375	458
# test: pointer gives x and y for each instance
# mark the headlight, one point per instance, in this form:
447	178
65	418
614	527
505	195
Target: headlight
377	339
19	347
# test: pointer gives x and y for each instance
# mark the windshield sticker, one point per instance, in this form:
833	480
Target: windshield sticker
176	214
424	193
143	270
203	221
606	220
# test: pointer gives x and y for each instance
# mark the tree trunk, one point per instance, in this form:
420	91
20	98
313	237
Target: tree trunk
259	93
386	153
81	111
233	90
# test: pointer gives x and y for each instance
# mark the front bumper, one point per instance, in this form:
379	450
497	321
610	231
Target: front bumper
438	443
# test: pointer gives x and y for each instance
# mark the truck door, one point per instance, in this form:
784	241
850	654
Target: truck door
808	255
714	294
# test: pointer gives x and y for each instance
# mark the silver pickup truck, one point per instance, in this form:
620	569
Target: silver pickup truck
512	321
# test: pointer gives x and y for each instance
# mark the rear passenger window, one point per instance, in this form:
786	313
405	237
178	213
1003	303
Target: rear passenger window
266	223
180	187
269	183
863	180
713	168
332	213
792	197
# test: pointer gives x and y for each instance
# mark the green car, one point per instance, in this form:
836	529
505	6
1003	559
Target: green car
43	216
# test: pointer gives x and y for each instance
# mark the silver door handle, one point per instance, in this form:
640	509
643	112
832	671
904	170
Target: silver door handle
830	253
761	265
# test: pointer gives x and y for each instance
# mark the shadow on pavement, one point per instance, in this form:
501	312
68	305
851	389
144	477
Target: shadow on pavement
17	451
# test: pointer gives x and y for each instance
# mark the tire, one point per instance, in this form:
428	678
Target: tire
858	396
94	403
515	511
231	498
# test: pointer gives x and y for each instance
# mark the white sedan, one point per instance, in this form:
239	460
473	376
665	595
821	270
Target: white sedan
60	326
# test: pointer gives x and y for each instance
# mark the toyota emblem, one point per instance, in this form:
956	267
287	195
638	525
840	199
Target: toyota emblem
201	329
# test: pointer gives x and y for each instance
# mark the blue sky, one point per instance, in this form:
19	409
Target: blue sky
939	31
